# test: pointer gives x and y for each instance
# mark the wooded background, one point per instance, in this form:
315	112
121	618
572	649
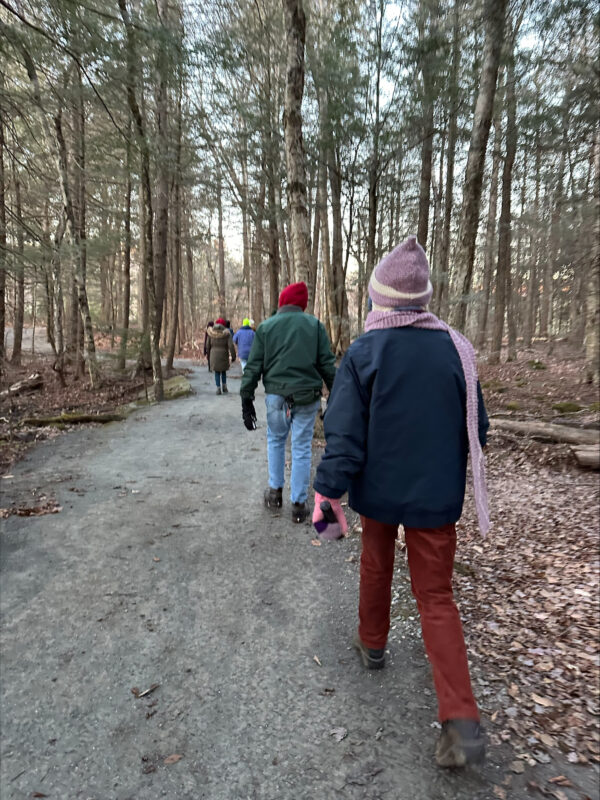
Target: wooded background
163	163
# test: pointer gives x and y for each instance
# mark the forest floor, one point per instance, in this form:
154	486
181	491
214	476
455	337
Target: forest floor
159	566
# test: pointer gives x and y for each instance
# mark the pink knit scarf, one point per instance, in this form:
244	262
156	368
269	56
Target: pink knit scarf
379	320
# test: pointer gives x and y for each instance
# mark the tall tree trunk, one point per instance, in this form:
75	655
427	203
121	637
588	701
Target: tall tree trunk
126	258
19	274
503	282
441	288
176	256
592	313
533	283
2	230
295	23
495	19
190	276
221	250
490	228
146	202
163	172
374	161
339	298
425	22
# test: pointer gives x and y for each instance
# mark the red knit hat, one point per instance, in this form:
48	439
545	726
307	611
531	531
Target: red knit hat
220	321
296	294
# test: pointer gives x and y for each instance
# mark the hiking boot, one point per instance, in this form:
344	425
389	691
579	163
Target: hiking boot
225	389
299	512
371	658
273	498
218	390
461	742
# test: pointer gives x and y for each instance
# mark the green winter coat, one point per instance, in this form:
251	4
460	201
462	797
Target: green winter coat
291	352
219	346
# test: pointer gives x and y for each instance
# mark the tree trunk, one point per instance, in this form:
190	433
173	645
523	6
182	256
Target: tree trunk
339	300
532	287
221	250
176	253
490	229
295	22
126	258
495	19
2	231
146	202
503	282
19	274
592	314
547	431
163	172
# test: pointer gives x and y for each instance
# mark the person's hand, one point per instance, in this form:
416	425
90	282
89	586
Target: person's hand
233	359
336	507
248	414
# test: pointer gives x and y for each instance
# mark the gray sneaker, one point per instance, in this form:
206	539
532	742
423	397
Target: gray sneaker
461	742
225	389
371	658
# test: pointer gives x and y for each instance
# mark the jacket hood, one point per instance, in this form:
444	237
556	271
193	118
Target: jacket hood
217	332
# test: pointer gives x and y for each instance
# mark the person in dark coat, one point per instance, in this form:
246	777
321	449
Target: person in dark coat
205	349
405	412
220	350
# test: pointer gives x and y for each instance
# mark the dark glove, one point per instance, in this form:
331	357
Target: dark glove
248	414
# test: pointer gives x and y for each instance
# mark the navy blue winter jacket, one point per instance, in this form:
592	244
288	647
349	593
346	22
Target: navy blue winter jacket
396	429
243	339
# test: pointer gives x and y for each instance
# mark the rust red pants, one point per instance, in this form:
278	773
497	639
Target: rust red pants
431	561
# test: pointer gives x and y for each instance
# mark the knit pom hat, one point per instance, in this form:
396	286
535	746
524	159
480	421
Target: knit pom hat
220	321
296	294
401	278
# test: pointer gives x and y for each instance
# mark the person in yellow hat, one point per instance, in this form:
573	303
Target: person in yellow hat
243	341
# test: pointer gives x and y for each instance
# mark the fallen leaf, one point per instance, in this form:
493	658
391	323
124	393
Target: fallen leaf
500	792
317	660
39	794
137	694
542	701
315	543
561	780
518	767
173	759
338	733
327	691
156	558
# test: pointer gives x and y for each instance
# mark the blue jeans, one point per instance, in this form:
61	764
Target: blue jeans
243	362
221	376
301	421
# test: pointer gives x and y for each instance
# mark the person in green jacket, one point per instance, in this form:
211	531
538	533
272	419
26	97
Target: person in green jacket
291	352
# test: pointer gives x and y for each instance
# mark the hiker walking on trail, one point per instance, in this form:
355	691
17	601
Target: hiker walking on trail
397	440
291	352
243	340
205	349
220	349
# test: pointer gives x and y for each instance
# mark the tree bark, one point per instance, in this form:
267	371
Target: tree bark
19	274
295	22
495	20
146	189
126	257
503	282
592	314
221	249
2	231
163	172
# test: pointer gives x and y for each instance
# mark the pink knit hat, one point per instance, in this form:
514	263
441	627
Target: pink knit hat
401	278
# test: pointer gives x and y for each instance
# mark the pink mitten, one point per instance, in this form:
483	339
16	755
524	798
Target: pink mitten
336	507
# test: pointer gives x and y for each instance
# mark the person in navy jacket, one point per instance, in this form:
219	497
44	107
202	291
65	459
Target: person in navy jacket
243	340
405	412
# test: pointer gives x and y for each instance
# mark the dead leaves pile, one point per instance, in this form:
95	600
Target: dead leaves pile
529	602
47	507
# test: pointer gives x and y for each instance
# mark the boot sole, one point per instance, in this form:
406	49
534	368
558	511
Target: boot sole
370	663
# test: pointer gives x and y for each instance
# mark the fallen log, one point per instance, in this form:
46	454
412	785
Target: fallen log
587	455
72	419
34	381
548	432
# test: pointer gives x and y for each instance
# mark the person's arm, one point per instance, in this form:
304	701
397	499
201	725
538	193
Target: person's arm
482	417
231	345
254	368
207	346
325	358
345	424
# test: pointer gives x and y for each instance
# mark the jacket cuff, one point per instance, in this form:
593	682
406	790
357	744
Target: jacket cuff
328	491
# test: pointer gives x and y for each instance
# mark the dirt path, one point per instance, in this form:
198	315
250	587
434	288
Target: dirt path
163	567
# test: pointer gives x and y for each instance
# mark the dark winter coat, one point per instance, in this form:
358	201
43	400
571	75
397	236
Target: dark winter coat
219	347
243	339
396	429
292	353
